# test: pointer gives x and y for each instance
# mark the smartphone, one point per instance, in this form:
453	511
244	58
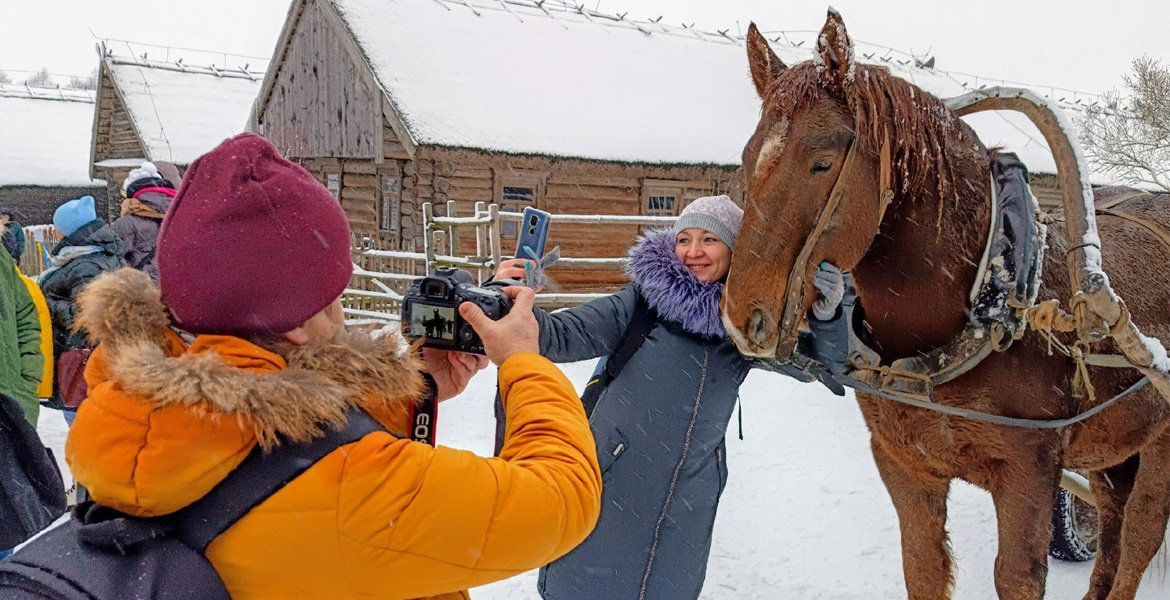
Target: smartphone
533	233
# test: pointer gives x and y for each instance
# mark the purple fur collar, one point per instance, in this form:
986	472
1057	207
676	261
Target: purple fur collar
671	289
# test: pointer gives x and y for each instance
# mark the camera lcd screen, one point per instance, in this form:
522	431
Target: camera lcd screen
432	322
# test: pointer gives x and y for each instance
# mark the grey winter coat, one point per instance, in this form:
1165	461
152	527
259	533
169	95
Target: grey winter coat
659	428
138	230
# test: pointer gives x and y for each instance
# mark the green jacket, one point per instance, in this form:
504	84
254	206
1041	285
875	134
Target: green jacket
21	362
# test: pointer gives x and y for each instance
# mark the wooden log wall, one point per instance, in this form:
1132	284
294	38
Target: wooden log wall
566	187
323	101
115	137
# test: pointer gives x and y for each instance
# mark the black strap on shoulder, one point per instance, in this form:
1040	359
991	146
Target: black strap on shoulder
641	322
259	476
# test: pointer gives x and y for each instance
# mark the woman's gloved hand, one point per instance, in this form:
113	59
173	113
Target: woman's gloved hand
830	282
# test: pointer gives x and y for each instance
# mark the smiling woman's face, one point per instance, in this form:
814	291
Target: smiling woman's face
703	253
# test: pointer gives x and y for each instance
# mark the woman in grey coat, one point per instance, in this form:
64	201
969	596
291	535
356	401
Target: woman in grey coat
660	424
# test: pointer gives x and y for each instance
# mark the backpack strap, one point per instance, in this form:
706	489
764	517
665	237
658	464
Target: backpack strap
259	476
641	322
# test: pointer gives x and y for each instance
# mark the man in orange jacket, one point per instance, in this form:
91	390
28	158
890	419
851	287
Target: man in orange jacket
252	258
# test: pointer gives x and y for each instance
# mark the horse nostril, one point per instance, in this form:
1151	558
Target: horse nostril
758	326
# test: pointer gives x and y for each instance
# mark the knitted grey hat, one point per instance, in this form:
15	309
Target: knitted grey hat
717	214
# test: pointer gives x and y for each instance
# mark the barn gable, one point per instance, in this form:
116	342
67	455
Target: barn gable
321	99
168	111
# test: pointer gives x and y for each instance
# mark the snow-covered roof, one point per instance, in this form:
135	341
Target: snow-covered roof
558	79
45	136
180	111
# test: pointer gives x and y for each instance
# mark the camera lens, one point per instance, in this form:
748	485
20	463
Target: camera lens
532	221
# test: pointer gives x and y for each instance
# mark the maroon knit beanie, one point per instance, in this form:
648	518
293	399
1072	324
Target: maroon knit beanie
251	244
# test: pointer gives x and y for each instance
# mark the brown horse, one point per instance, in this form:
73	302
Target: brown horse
914	263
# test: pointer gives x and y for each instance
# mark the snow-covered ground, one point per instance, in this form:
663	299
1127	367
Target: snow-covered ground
805	515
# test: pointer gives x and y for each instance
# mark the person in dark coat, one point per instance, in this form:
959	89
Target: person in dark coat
148	195
88	248
660	424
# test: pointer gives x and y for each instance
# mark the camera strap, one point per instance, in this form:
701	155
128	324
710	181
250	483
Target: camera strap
424	414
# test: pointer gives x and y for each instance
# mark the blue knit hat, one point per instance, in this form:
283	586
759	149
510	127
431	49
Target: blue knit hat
74	214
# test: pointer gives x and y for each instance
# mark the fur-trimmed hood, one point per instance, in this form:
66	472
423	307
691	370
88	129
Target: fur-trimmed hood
200	407
671	289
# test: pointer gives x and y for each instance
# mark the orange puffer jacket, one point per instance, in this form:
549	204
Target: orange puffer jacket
383	517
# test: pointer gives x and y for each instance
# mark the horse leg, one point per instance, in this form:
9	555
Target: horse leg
920	500
1111	488
1024	495
1144	527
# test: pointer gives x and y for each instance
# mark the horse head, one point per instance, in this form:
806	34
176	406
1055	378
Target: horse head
839	143
805	150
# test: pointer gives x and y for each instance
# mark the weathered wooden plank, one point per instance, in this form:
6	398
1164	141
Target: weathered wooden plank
362	180
556	178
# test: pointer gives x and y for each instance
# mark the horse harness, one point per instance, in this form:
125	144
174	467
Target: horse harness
1002	301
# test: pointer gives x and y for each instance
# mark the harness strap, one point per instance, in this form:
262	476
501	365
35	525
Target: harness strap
986	417
1155	228
792	305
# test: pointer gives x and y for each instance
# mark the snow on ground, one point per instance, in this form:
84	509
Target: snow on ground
804	516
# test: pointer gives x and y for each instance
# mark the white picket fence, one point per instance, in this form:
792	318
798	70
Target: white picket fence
441	248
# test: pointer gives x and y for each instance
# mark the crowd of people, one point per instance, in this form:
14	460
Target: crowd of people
188	323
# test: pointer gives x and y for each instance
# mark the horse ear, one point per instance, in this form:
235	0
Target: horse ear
765	65
834	56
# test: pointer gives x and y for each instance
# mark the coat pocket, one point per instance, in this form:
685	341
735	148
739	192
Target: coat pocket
608	451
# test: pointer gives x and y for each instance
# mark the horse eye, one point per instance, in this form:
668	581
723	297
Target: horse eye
820	167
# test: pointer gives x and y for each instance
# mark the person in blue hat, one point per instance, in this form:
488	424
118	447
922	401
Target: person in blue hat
87	248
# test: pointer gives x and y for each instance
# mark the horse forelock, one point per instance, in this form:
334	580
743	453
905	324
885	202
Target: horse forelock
925	137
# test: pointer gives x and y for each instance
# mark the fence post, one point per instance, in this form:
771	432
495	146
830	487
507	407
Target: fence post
494	233
479	238
428	243
452	236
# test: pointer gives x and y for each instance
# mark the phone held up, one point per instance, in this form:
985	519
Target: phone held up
533	233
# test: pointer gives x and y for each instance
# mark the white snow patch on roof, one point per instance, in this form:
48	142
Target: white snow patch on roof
181	115
45	142
553	80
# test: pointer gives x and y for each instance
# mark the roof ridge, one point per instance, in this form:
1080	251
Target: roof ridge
37	92
179	66
655	26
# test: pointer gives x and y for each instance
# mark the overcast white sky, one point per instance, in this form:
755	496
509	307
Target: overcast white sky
1084	45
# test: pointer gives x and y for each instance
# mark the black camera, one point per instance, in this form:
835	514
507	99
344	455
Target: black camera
430	309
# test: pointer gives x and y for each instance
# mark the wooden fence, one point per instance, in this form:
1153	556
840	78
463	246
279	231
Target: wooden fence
376	294
381	277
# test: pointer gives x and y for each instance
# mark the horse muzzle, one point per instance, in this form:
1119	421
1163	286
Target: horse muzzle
758	336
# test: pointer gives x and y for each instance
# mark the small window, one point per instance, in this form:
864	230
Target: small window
333	184
515	199
519	194
661	206
390	207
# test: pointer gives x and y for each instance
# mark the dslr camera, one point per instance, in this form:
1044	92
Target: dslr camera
430	309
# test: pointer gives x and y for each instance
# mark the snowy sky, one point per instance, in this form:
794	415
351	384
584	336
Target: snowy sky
1056	43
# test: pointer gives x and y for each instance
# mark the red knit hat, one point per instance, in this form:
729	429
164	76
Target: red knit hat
251	244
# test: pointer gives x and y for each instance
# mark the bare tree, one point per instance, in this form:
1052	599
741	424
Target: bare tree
4	78
43	78
84	83
1129	135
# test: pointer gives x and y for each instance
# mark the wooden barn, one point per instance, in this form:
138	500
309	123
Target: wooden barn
44	150
393	103
169	111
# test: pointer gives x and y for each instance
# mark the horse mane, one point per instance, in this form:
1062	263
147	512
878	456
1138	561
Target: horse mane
926	137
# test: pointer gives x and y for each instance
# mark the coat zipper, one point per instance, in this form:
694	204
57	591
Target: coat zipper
674	477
